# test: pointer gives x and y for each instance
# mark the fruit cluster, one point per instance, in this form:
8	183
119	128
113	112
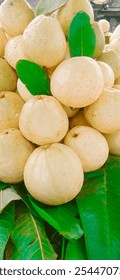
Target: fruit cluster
49	141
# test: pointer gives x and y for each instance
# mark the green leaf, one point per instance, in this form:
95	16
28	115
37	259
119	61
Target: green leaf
29	236
3	186
34	77
11	252
6	224
48	6
99	208
6	196
76	250
63	218
23	193
81	36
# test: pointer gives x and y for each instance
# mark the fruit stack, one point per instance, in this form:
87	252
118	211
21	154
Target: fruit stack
69	122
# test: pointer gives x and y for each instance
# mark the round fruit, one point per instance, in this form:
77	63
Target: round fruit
43	120
100	39
14	50
116	33
10	107
108	74
3	41
44	41
90	145
23	91
14	152
78	119
104	114
105	25
77	82
8	77
15	15
115	45
112	58
53	174
113	141
68	11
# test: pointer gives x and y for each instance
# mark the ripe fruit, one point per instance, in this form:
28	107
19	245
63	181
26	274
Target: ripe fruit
116	33
108	74
8	77
67	12
14	152
23	91
105	25
112	59
3	41
113	141
10	107
53	174
15	16
72	86
43	120
90	145
100	39
14	50
44	41
115	45
104	114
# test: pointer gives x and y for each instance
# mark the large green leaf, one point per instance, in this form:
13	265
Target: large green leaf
6	196
7	218
63	218
3	186
81	36
48	6
99	209
34	77
29	236
76	250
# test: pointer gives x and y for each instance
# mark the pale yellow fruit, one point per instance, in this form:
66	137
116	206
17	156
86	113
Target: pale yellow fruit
113	141
105	25
100	39
70	111
90	145
104	114
44	41
77	82
8	77
3	41
112	58
53	174
10	107
43	120
14	152
15	15
23	91
116	33
67	12
108	74
115	45
14	50
78	119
